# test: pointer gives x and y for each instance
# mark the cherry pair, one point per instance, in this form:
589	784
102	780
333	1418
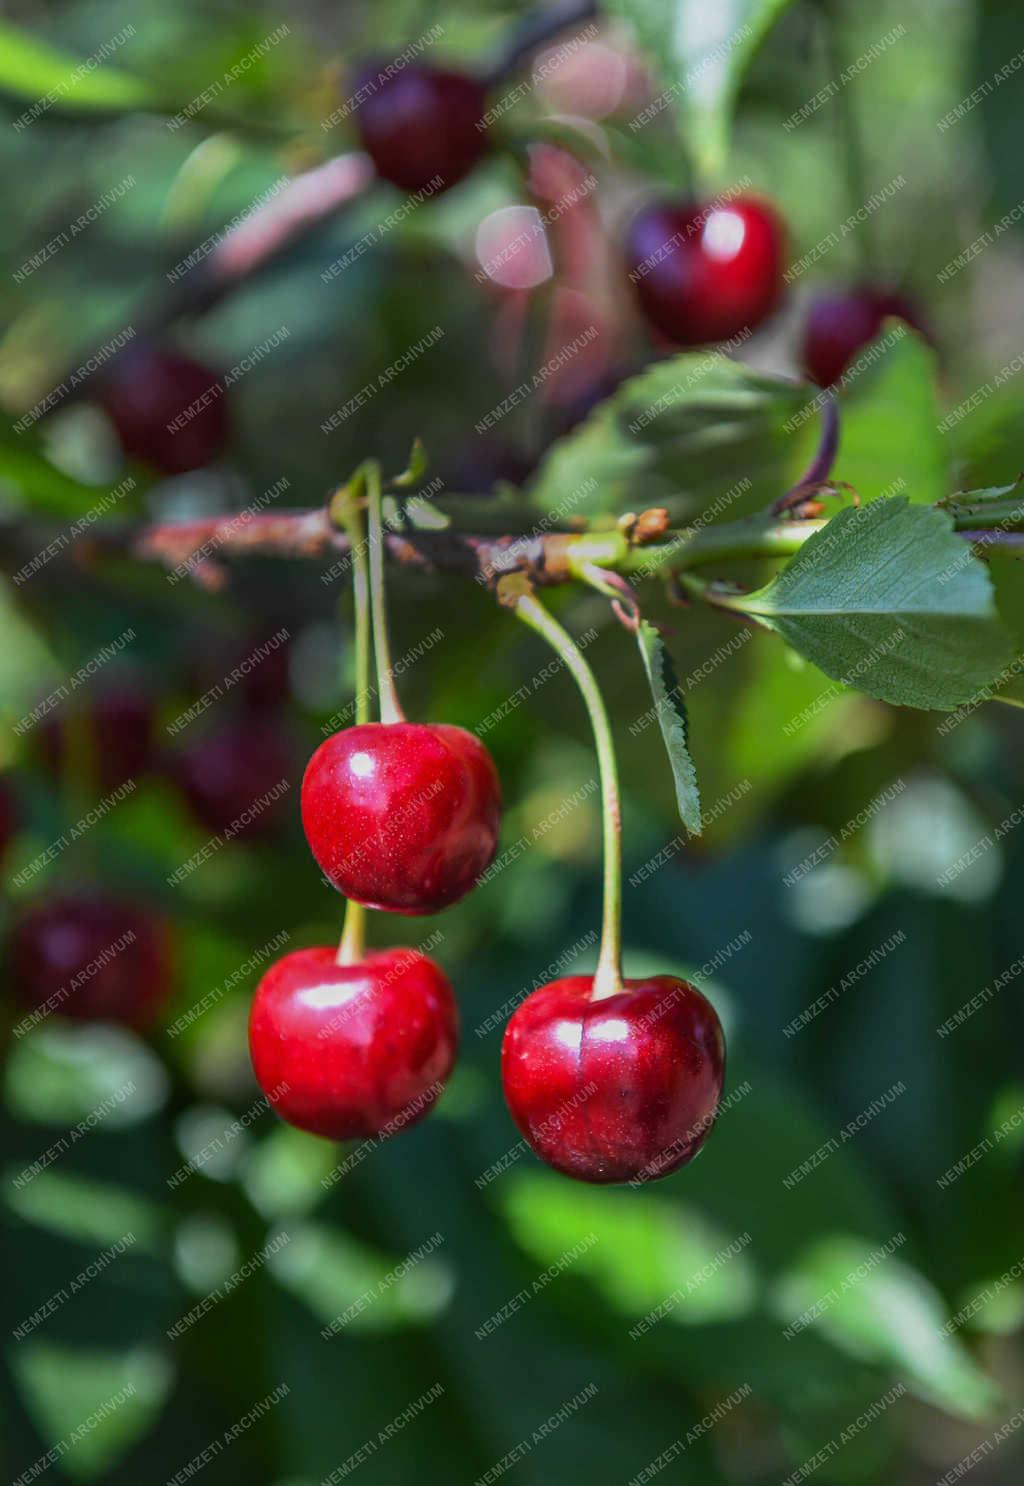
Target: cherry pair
401	817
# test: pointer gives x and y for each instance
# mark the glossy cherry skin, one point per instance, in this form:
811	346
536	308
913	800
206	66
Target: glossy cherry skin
169	410
705	272
225	774
353	1051
623	1089
94	958
841	324
402	816
421	124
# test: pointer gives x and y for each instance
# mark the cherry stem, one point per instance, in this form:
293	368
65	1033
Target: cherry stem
352	945
390	707
850	143
608	976
820	466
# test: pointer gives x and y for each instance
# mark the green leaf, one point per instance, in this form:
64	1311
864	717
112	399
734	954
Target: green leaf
25	661
1007	573
61	1074
637	1249
347	1284
416	468
887	599
92	1213
670	711
34	70
285	1173
93	1406
873	1305
890	442
702	53
697	434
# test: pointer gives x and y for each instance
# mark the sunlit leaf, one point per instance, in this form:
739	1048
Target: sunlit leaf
91	1406
702	53
886	598
639	1250
42	74
349	1285
876	1306
92	1213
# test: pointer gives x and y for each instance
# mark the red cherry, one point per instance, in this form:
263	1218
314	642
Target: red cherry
841	323
402	816
169	410
353	1050
121	736
228	775
94	958
706	271
620	1089
421	124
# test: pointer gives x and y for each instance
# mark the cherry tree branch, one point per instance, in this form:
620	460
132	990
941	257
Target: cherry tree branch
198	549
300	209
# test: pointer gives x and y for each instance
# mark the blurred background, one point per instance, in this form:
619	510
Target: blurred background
835	1286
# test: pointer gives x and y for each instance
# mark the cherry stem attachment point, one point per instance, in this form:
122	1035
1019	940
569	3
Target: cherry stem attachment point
390	707
625	603
608	976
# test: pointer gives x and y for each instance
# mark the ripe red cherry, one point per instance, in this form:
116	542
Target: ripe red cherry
402	816
169	410
842	323
94	958
120	724
353	1050
620	1089
421	124
228	774
705	272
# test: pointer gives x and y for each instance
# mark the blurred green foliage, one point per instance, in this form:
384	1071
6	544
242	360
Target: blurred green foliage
786	757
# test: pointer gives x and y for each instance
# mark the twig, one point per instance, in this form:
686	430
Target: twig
197	548
301	208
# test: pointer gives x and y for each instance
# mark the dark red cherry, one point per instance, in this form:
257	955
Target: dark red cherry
352	1051
237	776
422	127
120	736
169	410
843	322
93	957
620	1089
402	816
708	271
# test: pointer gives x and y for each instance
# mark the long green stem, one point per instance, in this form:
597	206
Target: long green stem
608	978
850	143
352	946
390	707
